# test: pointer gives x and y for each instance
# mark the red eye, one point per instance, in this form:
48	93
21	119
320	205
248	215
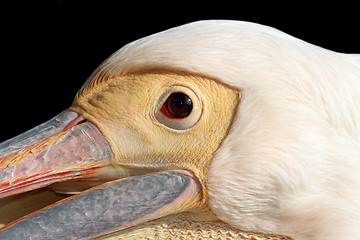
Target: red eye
177	106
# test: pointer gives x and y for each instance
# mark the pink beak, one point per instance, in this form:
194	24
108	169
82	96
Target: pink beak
70	148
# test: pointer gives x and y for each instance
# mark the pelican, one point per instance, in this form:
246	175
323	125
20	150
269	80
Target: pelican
227	124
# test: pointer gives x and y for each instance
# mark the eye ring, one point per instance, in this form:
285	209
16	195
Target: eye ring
178	108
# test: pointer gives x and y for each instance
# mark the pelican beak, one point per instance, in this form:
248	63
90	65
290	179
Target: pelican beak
70	151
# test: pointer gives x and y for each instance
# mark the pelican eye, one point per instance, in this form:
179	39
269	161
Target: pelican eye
177	106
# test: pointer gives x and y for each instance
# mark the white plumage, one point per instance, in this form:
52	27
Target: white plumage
291	161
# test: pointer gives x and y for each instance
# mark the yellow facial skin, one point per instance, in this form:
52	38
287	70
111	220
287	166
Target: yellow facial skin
126	109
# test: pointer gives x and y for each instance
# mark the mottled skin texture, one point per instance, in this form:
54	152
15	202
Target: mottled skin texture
104	209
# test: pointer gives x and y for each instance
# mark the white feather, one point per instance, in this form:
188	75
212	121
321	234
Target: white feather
291	161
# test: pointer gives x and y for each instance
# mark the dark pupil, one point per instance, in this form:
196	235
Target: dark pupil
179	105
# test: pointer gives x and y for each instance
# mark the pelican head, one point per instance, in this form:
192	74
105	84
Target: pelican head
259	127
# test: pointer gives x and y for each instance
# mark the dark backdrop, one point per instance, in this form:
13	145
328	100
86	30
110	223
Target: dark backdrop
49	48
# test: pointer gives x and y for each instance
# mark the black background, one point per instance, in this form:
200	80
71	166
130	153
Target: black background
49	48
